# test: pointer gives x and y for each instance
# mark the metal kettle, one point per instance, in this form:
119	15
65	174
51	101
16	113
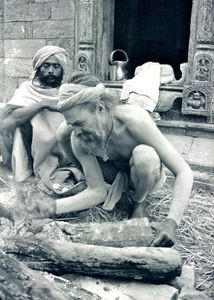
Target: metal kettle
118	61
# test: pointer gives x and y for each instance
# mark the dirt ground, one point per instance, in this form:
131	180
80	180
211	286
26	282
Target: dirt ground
195	235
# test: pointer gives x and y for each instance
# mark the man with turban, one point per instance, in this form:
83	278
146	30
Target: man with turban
29	122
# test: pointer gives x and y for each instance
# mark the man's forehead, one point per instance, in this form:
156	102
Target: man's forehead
76	113
51	60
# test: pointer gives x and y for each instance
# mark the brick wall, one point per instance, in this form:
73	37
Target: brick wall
25	27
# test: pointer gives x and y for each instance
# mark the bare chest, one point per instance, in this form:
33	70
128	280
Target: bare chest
120	148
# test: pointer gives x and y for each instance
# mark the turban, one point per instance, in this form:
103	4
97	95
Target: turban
71	95
45	52
84	78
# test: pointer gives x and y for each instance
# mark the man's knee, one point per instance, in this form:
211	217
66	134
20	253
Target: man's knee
145	159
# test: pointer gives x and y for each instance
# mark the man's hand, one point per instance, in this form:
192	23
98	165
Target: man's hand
49	104
41	209
166	236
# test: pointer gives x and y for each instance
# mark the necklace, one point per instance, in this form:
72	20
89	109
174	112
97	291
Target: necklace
105	156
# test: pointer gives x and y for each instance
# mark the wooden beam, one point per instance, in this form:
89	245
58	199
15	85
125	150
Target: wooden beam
60	257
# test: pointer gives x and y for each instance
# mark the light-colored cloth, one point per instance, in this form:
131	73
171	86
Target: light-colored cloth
121	184
143	88
118	186
46	151
21	164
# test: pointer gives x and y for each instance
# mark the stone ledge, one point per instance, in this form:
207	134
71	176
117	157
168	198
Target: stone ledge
186	125
168	87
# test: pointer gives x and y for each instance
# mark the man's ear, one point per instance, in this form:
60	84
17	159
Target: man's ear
100	107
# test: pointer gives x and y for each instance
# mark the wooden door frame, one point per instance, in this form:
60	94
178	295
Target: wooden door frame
94	43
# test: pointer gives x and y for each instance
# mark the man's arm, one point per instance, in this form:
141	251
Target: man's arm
21	115
94	194
148	133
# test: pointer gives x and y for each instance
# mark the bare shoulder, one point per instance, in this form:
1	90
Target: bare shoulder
133	115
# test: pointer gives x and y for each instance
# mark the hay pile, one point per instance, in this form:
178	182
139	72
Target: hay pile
195	235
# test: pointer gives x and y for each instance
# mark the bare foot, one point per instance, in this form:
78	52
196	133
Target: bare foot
138	211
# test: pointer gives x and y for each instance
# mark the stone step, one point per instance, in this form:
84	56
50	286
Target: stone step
193	129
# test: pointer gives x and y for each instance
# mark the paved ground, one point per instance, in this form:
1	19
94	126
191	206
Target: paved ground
199	153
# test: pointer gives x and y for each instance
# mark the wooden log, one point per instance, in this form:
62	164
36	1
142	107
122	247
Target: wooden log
60	257
17	281
128	233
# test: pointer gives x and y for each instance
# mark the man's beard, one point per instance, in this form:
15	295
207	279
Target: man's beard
92	142
50	80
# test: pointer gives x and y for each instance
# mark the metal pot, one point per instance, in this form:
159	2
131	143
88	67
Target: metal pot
118	61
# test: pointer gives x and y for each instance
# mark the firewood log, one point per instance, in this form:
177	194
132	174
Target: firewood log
17	281
60	257
128	233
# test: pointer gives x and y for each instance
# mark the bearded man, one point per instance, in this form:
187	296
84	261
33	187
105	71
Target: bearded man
113	142
29	123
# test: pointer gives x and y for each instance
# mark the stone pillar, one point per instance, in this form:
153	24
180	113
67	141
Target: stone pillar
94	36
198	94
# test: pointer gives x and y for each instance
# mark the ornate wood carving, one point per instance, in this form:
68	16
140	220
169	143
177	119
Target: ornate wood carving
198	90
205	32
203	67
197	99
85	44
94	35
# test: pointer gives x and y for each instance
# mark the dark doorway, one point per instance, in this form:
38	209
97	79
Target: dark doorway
153	30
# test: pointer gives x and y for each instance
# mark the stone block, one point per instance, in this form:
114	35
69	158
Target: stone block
186	279
63	10
22	48
167	99
1	14
11	84
27	12
18	2
124	290
14	30
1	48
1	67
1	31
67	44
191	294
181	143
21	80
1	81
53	29
28	30
202	148
43	1
18	67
